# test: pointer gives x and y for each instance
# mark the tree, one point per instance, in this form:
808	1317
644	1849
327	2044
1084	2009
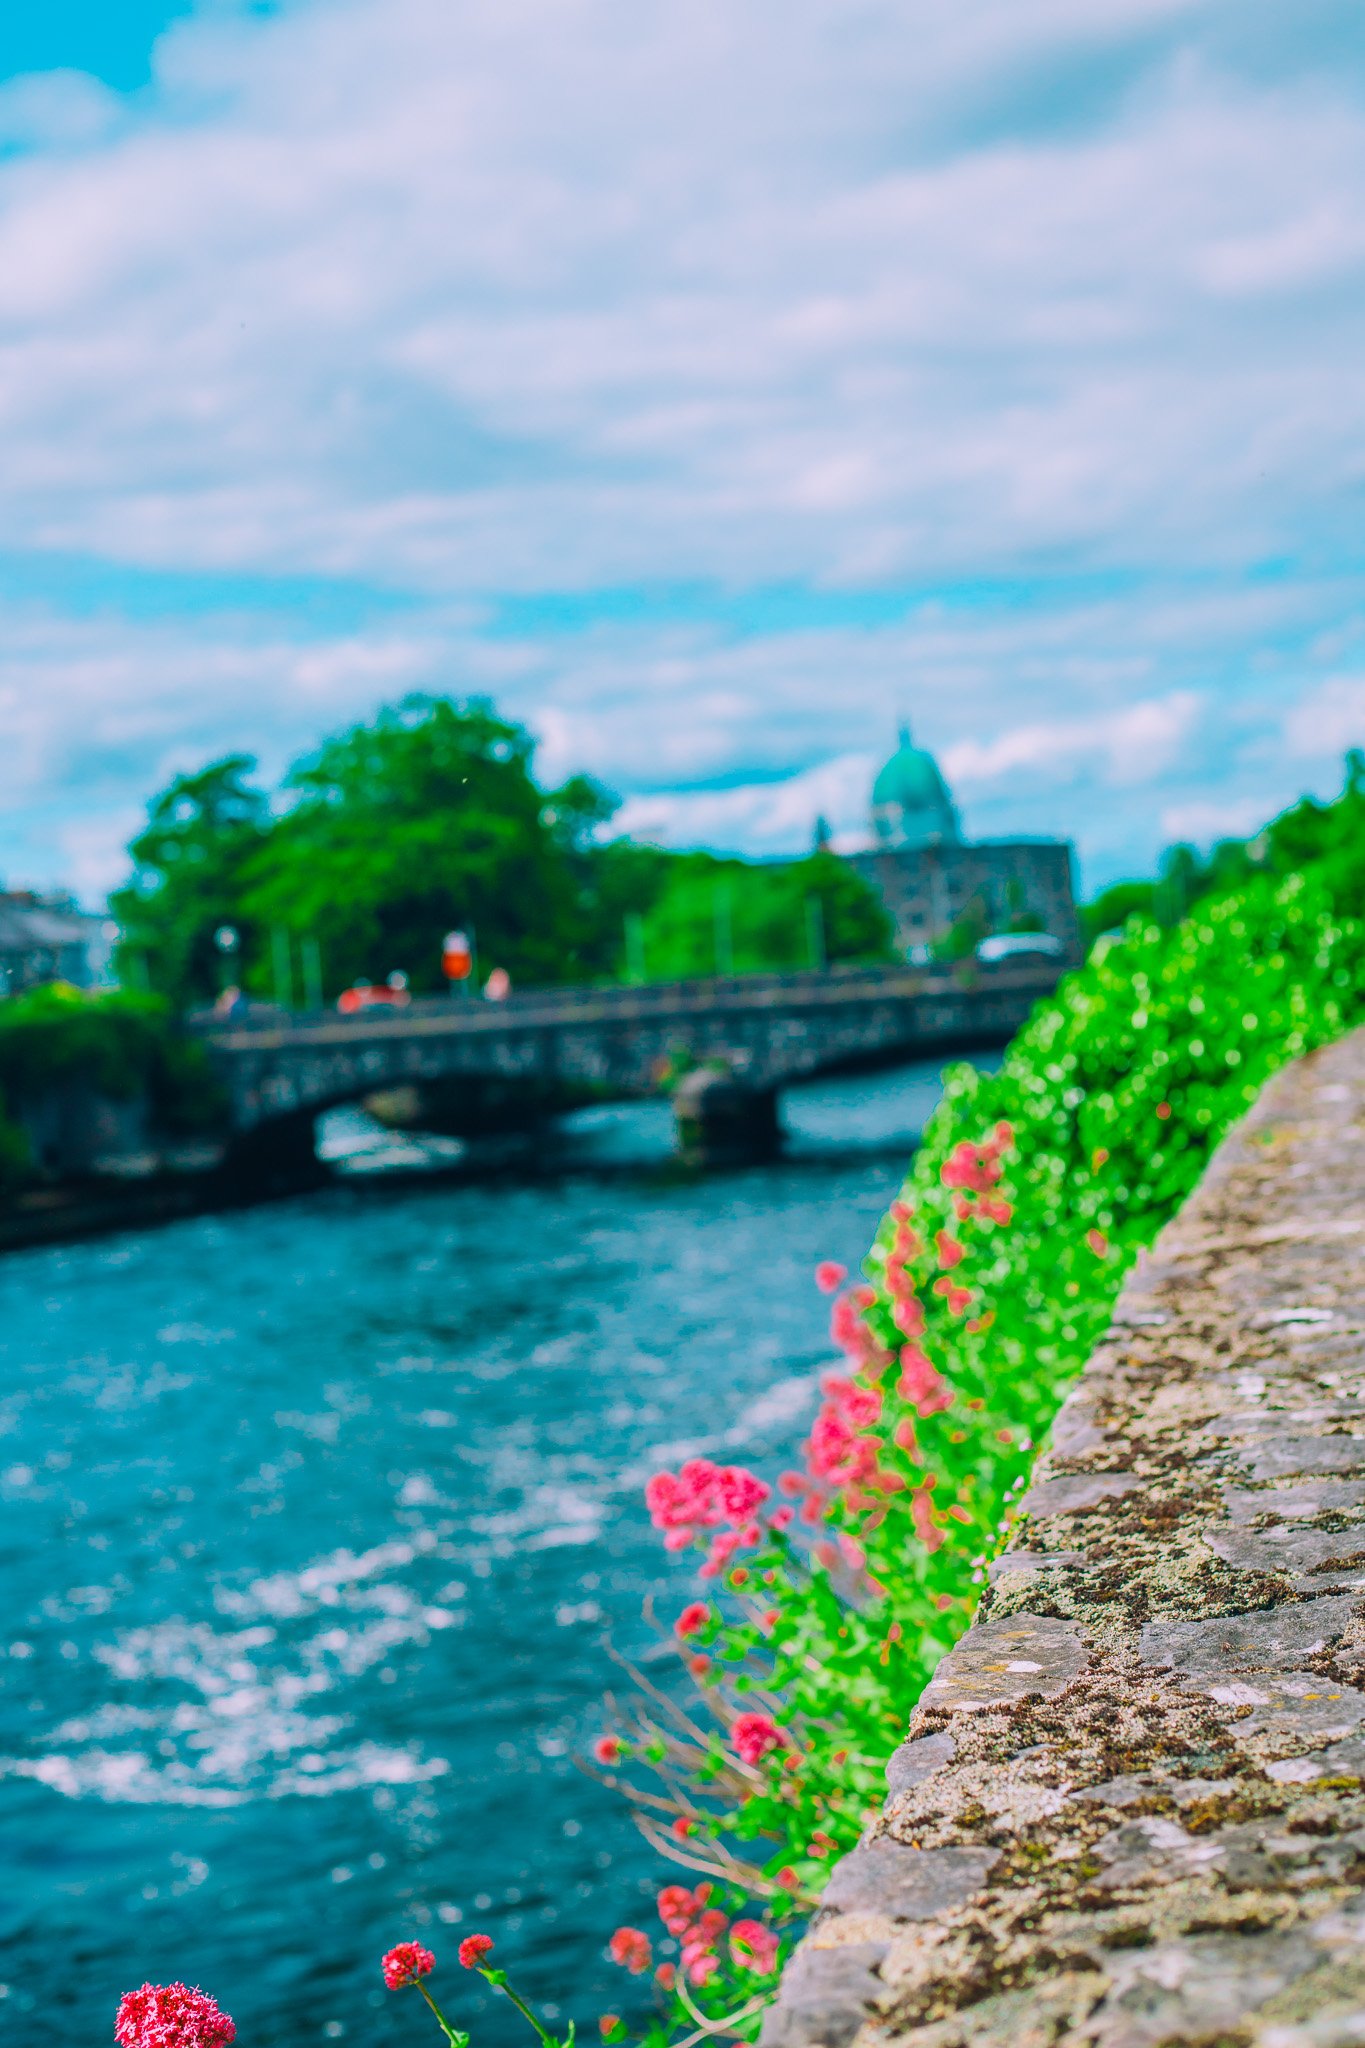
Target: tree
189	865
713	916
430	817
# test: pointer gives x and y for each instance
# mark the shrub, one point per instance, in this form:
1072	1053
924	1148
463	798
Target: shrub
832	1594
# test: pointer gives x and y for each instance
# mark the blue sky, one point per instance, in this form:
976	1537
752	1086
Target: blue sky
110	39
712	386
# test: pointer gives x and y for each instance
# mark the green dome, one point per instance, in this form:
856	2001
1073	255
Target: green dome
911	805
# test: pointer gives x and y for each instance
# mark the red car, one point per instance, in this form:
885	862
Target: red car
390	995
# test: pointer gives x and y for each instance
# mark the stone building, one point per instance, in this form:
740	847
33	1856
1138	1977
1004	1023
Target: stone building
933	881
48	938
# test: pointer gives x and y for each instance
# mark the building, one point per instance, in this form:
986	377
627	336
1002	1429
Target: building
941	888
49	938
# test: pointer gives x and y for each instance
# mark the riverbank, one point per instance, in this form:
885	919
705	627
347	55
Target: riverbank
846	1120
1135	1783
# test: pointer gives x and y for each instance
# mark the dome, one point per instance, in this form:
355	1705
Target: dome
911	805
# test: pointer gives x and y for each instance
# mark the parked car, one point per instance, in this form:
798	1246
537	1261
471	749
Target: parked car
1020	946
388	995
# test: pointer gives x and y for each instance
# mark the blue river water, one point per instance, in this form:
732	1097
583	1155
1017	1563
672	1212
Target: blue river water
316	1521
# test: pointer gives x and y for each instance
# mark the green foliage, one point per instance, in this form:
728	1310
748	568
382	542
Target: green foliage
428	817
1112	908
988	1285
114	1044
966	932
717	916
1329	838
190	867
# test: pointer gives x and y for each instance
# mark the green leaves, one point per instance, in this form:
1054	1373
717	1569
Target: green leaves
1113	1095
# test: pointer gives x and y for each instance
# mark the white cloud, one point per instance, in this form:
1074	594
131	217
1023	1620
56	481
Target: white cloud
1200	823
773	817
1328	720
470	298
480	294
1133	744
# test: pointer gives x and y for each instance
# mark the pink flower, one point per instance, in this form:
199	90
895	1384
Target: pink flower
830	1276
607	1749
701	1496
694	1616
975	1166
473	1949
171	2016
666	1976
858	1405
630	1948
701	1968
676	1908
950	1251
755	1736
930	1535
959	1299
406	1963
921	1383
908	1316
754	1947
724	1544
607	2024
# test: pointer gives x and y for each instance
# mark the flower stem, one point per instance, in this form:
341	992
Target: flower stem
498	1979
452	2034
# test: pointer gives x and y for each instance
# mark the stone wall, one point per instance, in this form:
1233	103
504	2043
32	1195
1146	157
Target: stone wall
1130	1810
926	889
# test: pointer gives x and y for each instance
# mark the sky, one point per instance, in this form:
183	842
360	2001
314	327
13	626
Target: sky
715	384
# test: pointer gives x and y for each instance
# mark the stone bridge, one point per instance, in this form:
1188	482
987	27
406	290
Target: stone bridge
737	1042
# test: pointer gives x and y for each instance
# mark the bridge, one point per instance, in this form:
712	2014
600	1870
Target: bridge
724	1048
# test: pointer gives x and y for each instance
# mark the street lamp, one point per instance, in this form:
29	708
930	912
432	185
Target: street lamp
227	939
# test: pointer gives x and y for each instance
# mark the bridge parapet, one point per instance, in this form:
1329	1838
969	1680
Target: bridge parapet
766	1030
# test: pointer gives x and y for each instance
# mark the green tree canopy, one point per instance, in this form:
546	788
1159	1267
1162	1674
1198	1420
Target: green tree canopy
430	817
716	916
1326	837
427	818
189	877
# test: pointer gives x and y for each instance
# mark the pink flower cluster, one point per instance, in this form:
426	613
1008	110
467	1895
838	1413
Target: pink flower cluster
839	1456
977	1166
629	1947
700	1497
755	1736
754	1947
851	1331
697	1926
171	2016
406	1963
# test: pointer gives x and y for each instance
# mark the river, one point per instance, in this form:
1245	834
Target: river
315	1522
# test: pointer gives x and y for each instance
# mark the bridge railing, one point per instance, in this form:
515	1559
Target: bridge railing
553	1004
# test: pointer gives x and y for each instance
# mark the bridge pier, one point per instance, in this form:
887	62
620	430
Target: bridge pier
275	1157
723	1123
